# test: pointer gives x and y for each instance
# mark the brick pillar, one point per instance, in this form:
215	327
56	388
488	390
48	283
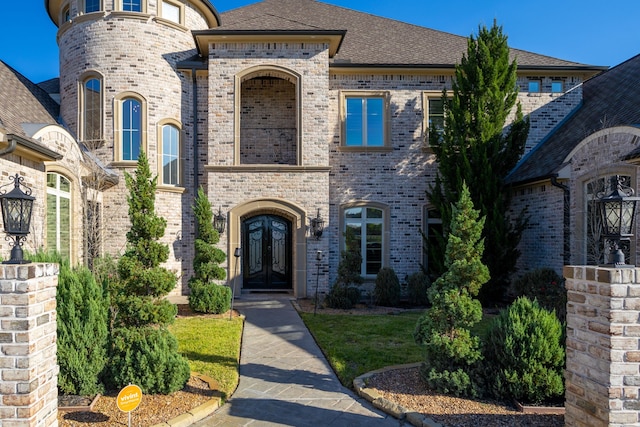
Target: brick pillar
28	364
603	346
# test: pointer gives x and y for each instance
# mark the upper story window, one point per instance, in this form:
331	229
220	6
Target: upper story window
58	214
132	5
534	86
171	11
91	108
170	154
364	231
91	6
557	86
66	14
365	119
130	121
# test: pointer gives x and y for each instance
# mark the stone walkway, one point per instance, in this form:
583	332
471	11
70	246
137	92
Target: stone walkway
284	377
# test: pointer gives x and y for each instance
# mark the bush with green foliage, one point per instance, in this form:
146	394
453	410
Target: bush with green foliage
82	332
345	292
142	350
417	287
547	287
207	296
452	352
147	357
387	289
523	353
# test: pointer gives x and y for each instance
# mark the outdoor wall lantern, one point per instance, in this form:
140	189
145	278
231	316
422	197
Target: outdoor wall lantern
317	226
17	206
618	210
219	221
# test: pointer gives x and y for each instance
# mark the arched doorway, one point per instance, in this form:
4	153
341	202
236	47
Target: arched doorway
266	253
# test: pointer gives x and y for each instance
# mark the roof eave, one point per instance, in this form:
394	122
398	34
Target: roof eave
28	148
204	37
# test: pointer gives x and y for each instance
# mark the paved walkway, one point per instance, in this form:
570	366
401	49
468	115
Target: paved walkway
284	377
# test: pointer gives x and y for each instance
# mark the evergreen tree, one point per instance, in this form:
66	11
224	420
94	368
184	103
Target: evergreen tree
207	296
474	147
140	313
451	351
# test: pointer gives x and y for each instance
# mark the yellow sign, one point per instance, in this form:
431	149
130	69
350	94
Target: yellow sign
129	398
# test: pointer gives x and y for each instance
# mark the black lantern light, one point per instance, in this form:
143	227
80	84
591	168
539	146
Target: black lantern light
17	206
618	210
317	226
219	221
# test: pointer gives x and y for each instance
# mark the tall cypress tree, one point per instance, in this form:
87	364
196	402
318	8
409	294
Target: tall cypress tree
143	351
476	147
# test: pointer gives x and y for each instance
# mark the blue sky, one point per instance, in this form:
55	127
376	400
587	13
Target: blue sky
586	31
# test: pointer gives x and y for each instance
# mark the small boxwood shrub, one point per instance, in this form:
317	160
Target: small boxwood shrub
547	287
417	286
342	296
209	297
523	352
387	289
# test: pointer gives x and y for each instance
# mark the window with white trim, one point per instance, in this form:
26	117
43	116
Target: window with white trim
364	232
365	119
58	214
171	11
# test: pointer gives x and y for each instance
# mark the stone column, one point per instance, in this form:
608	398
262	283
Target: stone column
28	364
603	346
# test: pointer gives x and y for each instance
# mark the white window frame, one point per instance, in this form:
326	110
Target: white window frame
178	154
385	235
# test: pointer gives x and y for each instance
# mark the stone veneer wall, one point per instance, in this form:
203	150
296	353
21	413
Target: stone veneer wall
28	365
603	346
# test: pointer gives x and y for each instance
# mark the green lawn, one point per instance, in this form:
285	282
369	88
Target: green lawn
216	356
356	344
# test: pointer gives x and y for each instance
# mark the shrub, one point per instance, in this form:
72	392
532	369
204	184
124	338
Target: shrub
387	289
342	296
524	353
209	297
417	287
547	287
82	313
452	352
147	357
345	292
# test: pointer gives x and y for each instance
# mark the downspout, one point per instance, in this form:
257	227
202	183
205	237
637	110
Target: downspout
12	146
566	227
196	171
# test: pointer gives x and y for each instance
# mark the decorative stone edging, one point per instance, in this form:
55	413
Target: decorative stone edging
76	408
393	409
197	413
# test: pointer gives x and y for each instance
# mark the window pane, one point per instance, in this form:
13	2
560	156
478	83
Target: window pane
132	5
375	122
556	87
374	248
131	112
436	114
171	12
91	6
65	227
51	180
92	110
534	86
354	122
353	213
65	185
170	150
52	220
374	213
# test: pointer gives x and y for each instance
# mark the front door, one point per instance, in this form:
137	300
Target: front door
267	253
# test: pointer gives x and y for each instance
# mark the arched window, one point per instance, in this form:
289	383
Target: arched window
58	214
364	231
170	154
91	102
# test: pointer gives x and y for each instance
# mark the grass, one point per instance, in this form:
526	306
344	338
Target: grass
218	355
358	344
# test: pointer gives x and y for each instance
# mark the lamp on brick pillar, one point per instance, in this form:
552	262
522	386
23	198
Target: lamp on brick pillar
17	206
317	226
617	210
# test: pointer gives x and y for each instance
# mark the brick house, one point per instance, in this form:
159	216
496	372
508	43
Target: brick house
283	111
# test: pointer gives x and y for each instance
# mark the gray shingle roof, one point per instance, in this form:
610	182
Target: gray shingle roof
23	102
609	99
370	39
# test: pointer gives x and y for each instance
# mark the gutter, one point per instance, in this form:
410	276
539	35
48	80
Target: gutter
15	140
196	171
